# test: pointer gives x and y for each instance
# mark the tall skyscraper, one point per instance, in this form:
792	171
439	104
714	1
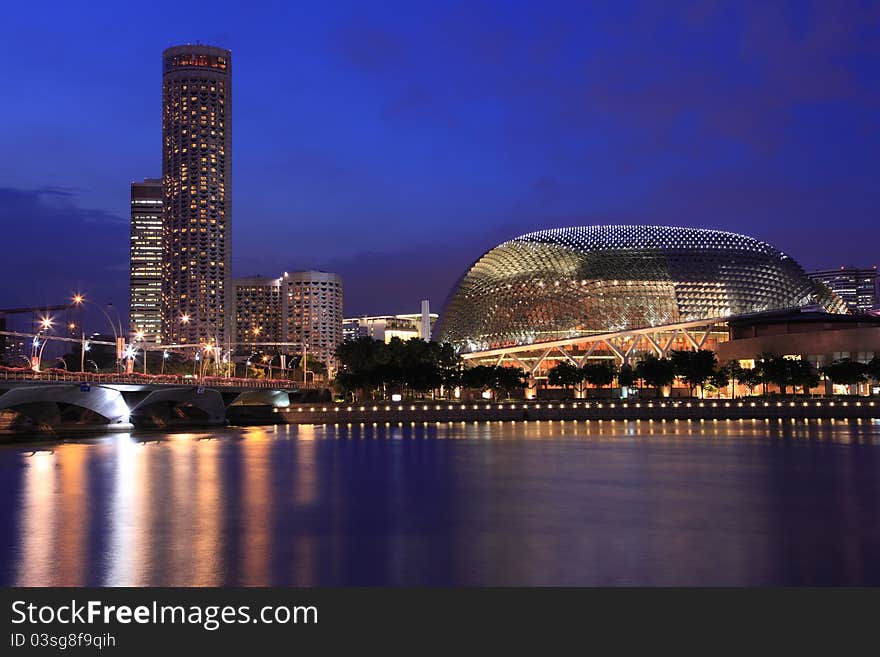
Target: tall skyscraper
145	259
197	185
857	286
311	311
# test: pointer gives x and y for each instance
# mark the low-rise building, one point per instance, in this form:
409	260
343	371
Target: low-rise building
385	327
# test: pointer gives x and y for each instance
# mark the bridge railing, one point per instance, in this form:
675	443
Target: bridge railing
15	374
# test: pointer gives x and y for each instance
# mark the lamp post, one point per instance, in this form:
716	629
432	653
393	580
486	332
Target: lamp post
79	299
139	337
165	355
45	325
83	348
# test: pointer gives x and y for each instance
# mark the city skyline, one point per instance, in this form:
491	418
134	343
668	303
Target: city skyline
362	172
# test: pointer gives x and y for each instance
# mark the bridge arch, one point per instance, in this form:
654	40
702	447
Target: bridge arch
180	407
58	406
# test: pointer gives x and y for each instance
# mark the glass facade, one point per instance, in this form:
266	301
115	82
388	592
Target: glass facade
569	282
145	260
858	287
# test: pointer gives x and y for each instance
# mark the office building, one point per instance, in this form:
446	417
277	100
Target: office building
197	186
145	260
856	286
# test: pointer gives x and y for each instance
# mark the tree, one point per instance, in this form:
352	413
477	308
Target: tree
763	365
734	372
508	379
777	370
694	367
846	372
803	374
599	374
655	372
626	376
566	375
873	369
751	377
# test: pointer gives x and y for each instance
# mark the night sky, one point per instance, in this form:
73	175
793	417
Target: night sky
395	142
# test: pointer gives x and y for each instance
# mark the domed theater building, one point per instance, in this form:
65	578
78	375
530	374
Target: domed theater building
618	292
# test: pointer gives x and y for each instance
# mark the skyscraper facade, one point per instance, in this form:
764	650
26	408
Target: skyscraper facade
857	286
145	259
197	186
312	312
256	305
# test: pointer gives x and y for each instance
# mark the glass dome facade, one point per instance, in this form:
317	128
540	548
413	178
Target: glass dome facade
569	282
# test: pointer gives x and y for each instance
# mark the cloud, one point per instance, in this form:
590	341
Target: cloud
53	246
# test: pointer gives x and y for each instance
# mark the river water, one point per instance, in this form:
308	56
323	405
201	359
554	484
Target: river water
528	503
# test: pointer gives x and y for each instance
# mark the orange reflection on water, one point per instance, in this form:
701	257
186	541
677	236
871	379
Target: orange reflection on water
36	565
256	509
73	522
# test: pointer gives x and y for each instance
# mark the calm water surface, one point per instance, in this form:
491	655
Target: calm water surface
538	503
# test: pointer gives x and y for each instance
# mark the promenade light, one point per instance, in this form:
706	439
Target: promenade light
46	322
165	354
185	318
78	299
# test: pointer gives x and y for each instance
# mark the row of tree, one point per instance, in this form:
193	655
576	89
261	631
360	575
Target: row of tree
700	369
415	367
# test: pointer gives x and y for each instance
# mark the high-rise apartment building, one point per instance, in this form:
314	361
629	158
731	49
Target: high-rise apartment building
145	259
312	312
857	286
256	304
197	185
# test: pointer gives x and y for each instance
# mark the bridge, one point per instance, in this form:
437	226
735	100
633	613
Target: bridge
55	401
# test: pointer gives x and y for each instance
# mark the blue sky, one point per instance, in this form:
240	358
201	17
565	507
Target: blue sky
395	142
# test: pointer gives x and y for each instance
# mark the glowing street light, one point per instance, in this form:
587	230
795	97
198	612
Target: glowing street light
185	318
78	300
46	323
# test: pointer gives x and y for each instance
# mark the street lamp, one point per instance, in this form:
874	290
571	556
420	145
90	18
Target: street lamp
139	337
78	300
165	356
45	324
84	347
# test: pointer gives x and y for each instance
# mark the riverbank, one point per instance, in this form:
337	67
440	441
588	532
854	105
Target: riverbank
692	409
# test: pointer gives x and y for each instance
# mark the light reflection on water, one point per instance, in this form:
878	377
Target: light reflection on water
490	503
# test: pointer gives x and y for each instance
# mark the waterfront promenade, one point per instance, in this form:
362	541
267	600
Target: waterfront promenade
671	410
